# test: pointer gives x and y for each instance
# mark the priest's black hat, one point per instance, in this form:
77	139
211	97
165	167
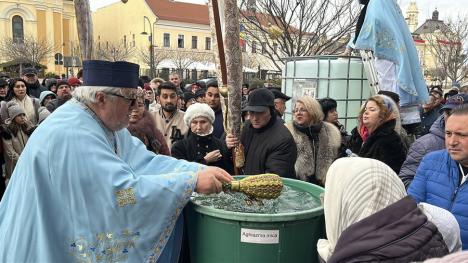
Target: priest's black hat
119	74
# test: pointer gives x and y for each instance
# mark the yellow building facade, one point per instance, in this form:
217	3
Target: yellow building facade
52	21
176	27
423	36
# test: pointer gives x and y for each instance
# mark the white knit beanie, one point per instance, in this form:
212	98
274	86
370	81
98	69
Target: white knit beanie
199	110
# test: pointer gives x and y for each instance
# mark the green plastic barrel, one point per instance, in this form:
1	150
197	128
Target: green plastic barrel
217	236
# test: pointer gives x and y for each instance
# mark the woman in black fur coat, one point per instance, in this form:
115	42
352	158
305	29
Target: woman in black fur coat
376	135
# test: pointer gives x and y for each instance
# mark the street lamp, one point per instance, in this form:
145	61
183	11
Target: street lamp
151	40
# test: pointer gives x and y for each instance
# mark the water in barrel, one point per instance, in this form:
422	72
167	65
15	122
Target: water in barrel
290	200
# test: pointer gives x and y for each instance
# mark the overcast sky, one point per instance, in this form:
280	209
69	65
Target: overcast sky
447	8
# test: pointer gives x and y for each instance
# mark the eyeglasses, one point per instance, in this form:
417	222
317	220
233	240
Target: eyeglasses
299	111
130	98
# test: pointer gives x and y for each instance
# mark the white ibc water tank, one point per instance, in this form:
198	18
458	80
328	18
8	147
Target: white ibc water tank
341	78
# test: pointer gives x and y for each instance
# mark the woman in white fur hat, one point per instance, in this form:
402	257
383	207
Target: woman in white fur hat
15	133
200	145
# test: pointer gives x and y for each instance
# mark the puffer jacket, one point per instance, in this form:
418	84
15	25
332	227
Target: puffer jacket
398	233
437	183
433	141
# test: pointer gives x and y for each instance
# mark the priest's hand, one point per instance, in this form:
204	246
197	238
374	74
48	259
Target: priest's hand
211	179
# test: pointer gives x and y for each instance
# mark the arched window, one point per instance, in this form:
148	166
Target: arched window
18	29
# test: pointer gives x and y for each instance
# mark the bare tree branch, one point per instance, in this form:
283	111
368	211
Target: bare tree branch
30	50
249	61
449	49
143	55
300	27
183	59
114	51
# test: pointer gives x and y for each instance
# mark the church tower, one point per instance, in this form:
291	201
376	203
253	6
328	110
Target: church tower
412	16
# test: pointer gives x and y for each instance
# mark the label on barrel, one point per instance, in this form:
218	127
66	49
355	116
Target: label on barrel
259	236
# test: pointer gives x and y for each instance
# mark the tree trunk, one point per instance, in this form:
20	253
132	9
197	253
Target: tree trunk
84	28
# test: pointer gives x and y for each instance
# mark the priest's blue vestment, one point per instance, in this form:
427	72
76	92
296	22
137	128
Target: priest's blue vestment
82	193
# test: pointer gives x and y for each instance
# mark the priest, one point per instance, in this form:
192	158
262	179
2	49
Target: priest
85	190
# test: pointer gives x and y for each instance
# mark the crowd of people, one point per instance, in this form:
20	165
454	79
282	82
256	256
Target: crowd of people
412	191
24	104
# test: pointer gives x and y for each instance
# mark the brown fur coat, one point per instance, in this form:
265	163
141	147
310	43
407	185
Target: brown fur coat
145	130
328	150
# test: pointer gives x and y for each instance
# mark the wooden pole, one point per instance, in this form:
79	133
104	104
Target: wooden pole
84	28
219	42
228	57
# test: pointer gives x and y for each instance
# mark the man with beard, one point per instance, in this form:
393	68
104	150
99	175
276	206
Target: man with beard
63	95
32	82
169	119
212	98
